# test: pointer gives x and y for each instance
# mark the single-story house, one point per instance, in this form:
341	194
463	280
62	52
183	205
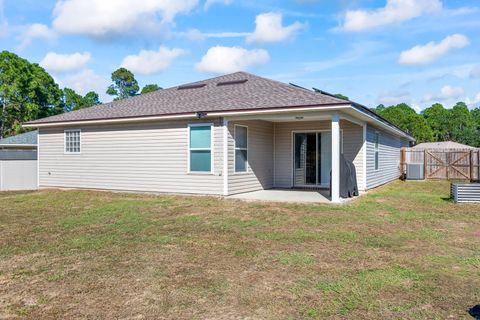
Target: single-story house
18	162
226	135
442	145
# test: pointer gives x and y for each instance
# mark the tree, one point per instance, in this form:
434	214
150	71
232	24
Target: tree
462	125
74	101
341	96
437	118
124	84
27	92
150	88
407	119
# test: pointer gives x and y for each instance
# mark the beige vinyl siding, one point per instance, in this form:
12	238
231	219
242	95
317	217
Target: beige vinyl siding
388	157
260	157
18	175
143	157
352	147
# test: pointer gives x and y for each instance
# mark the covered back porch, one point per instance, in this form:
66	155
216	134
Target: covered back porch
293	151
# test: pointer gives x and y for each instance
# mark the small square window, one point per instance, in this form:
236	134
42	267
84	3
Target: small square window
72	141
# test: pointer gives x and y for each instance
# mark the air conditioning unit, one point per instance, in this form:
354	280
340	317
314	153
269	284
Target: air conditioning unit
415	171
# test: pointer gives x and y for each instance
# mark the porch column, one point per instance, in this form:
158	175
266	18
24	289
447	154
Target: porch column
335	158
225	157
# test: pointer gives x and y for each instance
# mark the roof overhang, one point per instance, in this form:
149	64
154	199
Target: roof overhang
18	146
351	109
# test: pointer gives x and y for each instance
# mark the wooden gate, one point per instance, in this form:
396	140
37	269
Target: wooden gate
450	164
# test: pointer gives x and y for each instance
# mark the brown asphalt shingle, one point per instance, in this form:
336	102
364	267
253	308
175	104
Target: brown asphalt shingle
256	93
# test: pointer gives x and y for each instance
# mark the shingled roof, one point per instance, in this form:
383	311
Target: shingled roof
27	138
232	92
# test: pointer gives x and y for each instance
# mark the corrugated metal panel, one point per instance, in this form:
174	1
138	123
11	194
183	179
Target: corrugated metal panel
9	154
143	157
389	157
260	158
466	192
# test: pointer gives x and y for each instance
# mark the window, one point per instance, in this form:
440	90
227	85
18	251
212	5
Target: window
200	145
241	149
376	139
72	141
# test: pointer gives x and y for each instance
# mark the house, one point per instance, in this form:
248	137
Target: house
18	162
226	135
442	145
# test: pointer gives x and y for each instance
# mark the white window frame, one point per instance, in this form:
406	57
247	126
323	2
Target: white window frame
212	127
247	169
376	149
65	151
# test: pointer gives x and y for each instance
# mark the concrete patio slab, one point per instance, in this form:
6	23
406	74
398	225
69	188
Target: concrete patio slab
282	195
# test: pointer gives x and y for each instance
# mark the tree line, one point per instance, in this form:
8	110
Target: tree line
436	123
28	92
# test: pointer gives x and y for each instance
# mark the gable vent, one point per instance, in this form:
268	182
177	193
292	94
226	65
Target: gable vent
192	86
226	83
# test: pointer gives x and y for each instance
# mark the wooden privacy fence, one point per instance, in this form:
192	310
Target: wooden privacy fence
449	164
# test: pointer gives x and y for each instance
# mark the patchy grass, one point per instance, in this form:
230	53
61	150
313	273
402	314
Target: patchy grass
403	251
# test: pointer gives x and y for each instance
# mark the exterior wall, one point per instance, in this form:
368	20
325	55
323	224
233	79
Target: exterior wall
141	157
389	157
260	157
352	147
18	175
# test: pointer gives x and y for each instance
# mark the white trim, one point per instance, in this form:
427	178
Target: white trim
38	159
274	155
335	181
211	149
17	145
364	154
65	141
235	150
225	157
185	116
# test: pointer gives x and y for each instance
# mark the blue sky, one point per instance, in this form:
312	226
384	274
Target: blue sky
373	51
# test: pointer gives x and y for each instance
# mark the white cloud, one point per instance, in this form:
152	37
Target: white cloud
475	73
395	11
87	80
35	31
473	103
432	50
150	62
230	59
56	62
394	97
197	35
103	19
446	93
209	3
268	29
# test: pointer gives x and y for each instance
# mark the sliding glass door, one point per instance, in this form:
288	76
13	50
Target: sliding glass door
312	159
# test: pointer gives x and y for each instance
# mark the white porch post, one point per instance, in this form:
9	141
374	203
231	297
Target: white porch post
335	158
225	157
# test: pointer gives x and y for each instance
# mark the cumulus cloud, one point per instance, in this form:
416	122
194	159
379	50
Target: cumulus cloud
395	11
209	3
473	103
394	97
446	93
150	62
56	62
87	80
35	31
269	28
475	73
423	54
104	19
230	59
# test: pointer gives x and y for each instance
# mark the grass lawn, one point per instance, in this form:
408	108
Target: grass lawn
402	251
